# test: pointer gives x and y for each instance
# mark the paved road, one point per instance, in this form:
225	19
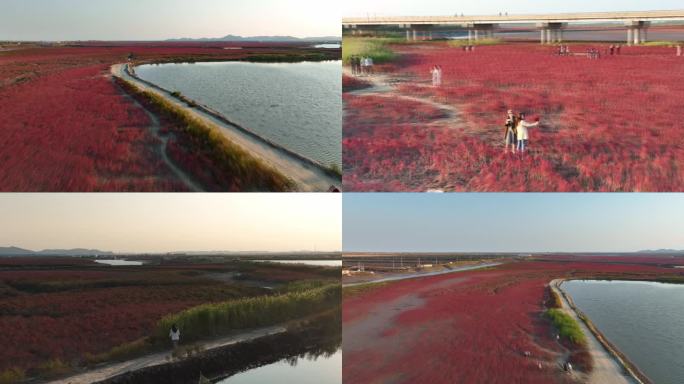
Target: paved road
117	369
417	275
309	178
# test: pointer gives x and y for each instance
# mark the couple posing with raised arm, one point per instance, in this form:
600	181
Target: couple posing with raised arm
516	134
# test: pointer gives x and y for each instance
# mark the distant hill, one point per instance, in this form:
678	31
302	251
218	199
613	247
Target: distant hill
15	251
263	39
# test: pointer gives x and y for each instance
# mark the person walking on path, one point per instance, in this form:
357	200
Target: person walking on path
174	334
509	131
523	135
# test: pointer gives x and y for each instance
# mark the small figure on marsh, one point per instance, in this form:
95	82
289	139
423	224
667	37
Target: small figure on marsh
679	51
356	65
509	131
612	50
436	72
522	132
174	334
617	49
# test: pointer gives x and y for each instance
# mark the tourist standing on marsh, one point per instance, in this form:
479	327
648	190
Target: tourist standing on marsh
174	334
436	72
523	134
509	131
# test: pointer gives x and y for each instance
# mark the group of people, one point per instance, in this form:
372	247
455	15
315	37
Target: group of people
436	72
362	66
516	134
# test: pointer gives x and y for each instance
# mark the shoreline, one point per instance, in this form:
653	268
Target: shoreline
221	117
308	175
629	369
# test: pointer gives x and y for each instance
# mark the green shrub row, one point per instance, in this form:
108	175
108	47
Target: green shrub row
209	320
567	326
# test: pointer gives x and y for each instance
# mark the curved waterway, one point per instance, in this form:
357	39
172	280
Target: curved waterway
296	105
644	320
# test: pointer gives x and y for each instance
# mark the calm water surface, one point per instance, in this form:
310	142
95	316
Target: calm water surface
313	370
118	263
644	320
297	105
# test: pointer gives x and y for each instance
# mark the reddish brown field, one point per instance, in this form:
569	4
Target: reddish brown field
469	327
66	126
66	308
606	125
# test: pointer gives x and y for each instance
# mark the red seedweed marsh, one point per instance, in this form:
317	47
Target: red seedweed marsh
65	125
70	310
469	326
607	125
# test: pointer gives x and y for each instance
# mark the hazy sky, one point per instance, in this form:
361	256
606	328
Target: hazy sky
449	7
512	222
163	19
172	222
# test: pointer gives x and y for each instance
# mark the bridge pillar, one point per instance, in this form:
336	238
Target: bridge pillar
470	34
543	37
548	36
415	35
630	39
637	34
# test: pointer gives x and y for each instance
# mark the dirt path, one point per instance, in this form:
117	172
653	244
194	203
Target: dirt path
164	139
381	86
606	369
426	274
160	358
307	176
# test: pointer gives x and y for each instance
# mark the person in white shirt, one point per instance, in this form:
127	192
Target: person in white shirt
174	334
523	134
370	65
436	72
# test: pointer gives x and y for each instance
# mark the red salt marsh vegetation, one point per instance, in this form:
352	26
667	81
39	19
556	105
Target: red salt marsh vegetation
67	313
484	326
66	126
611	124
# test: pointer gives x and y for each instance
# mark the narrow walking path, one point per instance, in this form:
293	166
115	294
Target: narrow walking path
306	174
164	139
381	87
113	370
606	369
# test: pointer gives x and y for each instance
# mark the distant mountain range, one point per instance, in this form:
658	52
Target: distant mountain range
15	251
262	39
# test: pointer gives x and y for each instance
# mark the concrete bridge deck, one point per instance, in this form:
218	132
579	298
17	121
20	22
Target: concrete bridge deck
676	15
551	26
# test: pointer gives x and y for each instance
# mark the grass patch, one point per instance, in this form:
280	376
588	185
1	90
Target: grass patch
488	41
235	168
210	320
661	43
375	48
567	326
556	301
12	376
53	368
356	290
120	352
